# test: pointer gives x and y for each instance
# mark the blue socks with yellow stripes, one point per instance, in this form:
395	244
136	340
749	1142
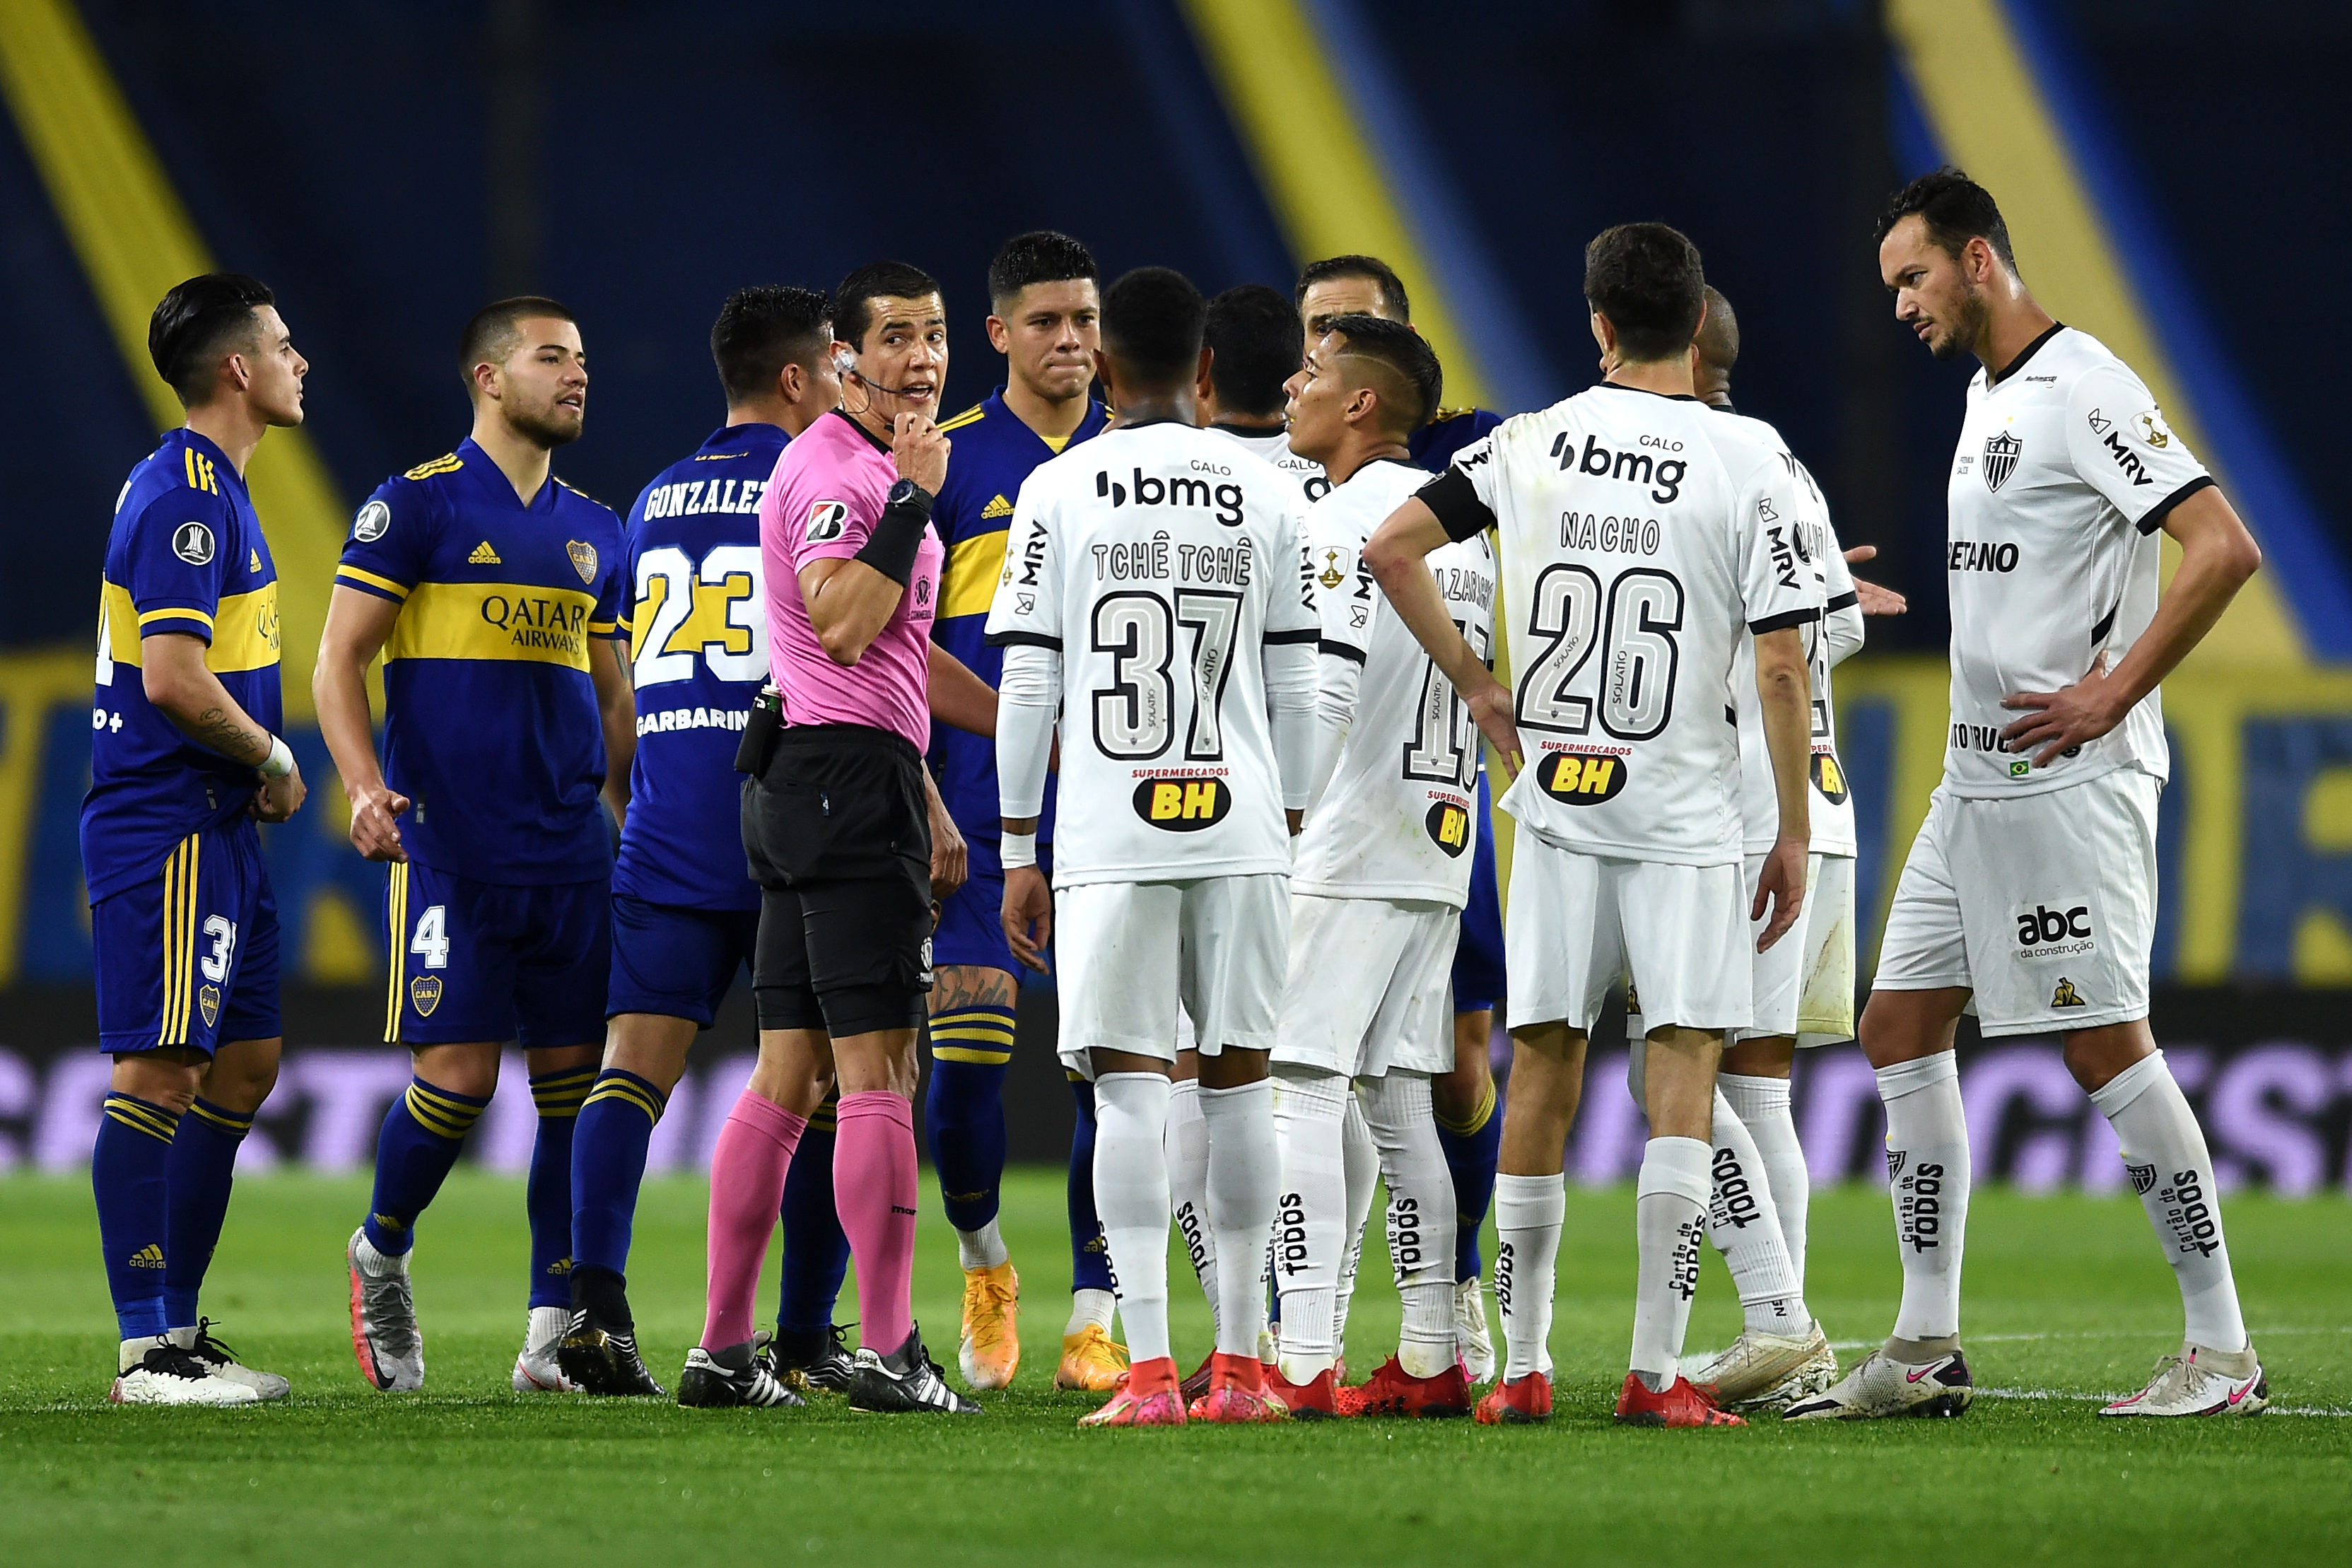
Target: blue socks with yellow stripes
128	1169
196	1182
421	1135
558	1096
1089	1251
965	1111
1472	1148
816	1249
608	1166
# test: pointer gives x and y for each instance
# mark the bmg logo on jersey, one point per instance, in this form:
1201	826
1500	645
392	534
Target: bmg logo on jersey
1665	473
1449	828
2058	928
1151	490
1577	779
1183	804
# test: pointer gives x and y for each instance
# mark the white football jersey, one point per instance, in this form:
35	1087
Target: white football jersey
1396	820
1643	536
1160	560
1832	811
1274	446
2064	472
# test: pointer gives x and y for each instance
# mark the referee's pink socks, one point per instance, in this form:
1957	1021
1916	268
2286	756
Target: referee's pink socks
746	1189
873	1188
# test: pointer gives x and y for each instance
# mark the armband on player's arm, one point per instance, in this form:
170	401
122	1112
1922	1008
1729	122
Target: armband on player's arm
1026	703
897	534
1454	500
1290	714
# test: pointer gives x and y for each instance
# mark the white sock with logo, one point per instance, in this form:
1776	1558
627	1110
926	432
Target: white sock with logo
1310	1224
1745	1225
1089	1310
1361	1163
1244	1178
2164	1151
981	1248
1528	1215
1762	1106
1669	1215
1927	1173
1188	1185
1421	1218
1131	1195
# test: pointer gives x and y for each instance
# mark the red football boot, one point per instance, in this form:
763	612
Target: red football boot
1197	1384
1517	1402
1237	1392
1316	1399
1393	1391
1145	1396
1682	1404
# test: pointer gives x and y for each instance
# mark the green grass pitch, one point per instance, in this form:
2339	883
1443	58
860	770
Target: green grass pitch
2067	1298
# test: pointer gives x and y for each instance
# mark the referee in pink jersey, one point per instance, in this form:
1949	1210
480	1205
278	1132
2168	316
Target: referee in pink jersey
849	841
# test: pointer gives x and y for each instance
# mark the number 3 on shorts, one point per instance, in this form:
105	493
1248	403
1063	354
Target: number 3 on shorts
432	940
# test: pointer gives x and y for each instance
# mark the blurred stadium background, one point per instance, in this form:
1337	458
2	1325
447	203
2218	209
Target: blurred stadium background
388	168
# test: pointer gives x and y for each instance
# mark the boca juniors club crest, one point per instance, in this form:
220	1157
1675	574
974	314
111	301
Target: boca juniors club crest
208	998
425	992
583	559
2000	459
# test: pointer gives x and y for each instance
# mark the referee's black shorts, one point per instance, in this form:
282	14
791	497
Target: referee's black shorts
837	836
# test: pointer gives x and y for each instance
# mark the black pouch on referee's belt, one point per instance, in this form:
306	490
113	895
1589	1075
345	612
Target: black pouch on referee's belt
761	732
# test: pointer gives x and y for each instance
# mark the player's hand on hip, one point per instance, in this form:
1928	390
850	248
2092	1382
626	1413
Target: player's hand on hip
1490	707
950	857
2059	721
1869	597
1780	887
919	450
278	799
1028	915
375	828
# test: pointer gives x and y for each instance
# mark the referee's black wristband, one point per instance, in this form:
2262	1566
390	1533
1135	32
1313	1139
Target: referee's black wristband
898	535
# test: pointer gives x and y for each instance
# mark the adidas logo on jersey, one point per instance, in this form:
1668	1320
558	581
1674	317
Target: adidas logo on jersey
148	1256
1151	490
1578	780
1183	804
999	507
256	560
484	555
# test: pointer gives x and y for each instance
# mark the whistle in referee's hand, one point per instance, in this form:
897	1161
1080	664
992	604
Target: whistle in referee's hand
761	730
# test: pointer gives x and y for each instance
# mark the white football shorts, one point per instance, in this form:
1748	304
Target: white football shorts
1578	923
1131	952
2045	906
1779	982
1371	986
1825	1009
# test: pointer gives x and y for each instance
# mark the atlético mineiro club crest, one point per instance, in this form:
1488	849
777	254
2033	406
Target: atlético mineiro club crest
2000	459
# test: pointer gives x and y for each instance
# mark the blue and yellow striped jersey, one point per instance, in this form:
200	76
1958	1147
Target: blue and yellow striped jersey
185	555
490	722
993	453
1449	431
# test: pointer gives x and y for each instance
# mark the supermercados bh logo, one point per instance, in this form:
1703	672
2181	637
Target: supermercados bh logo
1449	828
2058	928
2001	453
1575	778
1829	778
1183	803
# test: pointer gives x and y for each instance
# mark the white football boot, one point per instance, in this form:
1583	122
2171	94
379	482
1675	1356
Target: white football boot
1471	1339
385	1336
158	1371
1882	1386
222	1360
536	1370
2200	1381
1759	1368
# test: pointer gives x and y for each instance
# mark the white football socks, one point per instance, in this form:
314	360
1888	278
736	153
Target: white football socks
1669	1214
1089	1309
1310	1222
1362	1162
2164	1151
1131	1195
1762	1106
981	1248
1927	1173
1527	1214
1245	1176
1188	1183
1745	1225
1421	1218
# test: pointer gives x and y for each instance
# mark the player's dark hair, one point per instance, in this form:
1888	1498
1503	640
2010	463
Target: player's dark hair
1956	210
1252	332
1646	278
763	328
490	336
1041	256
1392	286
195	321
1412	363
853	302
1152	324
1718	333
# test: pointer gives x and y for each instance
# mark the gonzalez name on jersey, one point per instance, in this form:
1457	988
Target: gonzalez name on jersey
2065	470
1159	560
1395	820
1643	536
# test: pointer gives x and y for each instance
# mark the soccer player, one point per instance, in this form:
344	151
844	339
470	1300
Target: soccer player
685	915
1641	536
844	833
1376	893
1465	1099
185	758
2030	894
494	592
1046	299
1252	337
1157	600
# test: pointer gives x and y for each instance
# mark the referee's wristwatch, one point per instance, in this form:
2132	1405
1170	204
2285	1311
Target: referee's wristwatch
907	492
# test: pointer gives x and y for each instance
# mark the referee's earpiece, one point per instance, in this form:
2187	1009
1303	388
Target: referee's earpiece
845	364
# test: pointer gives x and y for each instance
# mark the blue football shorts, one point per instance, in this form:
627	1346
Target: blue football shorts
1478	957
680	963
971	919
482	962
190	958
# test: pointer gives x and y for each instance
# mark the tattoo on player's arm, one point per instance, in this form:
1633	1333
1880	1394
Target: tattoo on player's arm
956	986
223	734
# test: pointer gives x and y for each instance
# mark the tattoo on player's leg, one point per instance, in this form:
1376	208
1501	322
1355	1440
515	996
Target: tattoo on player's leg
957	986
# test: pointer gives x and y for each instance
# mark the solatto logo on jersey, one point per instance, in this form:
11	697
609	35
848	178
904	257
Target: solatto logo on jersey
1575	779
1183	804
1449	828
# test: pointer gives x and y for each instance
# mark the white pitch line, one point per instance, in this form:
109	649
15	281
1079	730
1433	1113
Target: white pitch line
2093	1334
2108	1399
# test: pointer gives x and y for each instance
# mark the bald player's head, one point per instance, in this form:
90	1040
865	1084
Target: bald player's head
1716	349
